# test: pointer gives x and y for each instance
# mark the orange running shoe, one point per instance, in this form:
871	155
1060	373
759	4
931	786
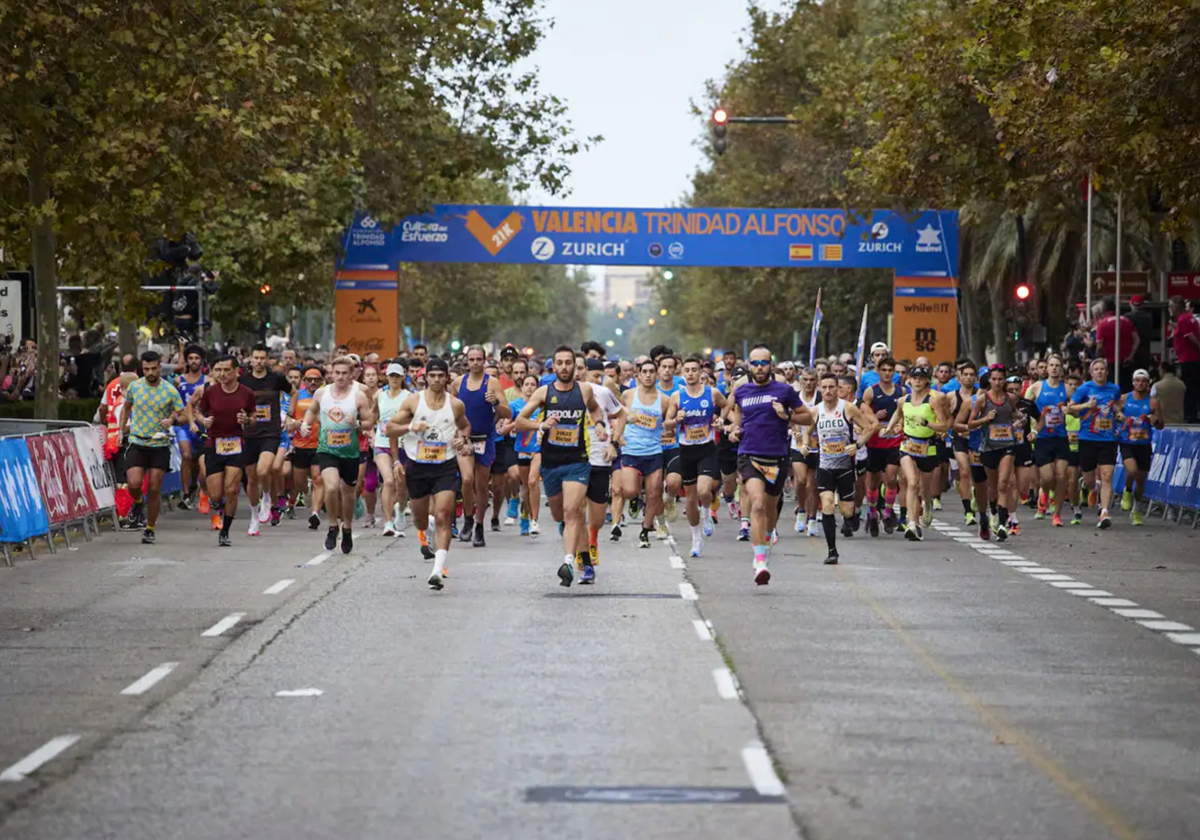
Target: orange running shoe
205	508
1043	502
216	522
1057	521
423	538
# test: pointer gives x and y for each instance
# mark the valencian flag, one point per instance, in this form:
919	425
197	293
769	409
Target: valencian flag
812	341
862	343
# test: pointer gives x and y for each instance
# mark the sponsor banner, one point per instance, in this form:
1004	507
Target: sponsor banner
925	318
367	312
89	443
66	490
22	514
1187	286
12	309
1174	477
923	245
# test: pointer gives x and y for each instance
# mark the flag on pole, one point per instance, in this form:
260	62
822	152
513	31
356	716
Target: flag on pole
862	344
812	341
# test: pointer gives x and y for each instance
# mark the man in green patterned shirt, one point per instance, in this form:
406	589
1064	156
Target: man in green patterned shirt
152	408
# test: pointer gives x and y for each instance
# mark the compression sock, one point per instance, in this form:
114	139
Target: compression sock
966	505
830	525
226	521
593	535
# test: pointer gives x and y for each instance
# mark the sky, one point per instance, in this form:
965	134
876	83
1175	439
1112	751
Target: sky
629	70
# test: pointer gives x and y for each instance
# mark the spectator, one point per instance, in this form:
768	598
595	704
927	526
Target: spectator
1171	395
1143	323
82	367
1108	336
1186	340
1076	343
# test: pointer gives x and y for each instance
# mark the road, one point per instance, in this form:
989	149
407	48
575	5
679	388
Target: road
933	690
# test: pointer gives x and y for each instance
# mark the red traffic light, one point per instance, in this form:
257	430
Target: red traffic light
720	116
1023	291
265	288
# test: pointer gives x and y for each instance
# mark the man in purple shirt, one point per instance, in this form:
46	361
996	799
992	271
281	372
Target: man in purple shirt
762	415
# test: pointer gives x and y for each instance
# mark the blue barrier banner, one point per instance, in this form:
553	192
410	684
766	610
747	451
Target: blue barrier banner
1174	477
22	514
924	244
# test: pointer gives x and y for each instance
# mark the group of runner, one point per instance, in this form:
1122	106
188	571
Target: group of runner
439	442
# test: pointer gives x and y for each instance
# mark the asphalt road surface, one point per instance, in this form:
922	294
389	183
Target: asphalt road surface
947	689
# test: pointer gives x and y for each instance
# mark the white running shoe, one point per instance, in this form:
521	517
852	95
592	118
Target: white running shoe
697	546
660	528
397	514
706	522
264	508
369	521
775	536
508	520
398	524
389	530
253	529
762	575
672	509
533	528
937	504
801	522
814	530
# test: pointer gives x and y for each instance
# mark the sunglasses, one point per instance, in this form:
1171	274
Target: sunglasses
760	362
312	379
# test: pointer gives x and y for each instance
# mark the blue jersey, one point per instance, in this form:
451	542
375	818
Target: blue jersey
870	378
285	410
1136	427
526	442
696	417
644	427
1050	402
670	438
1098	424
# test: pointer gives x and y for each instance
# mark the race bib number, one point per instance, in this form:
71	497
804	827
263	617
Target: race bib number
229	446
342	437
1103	424
564	436
1019	435
1139	433
833	447
1072	437
975	459
696	434
668	437
262	412
1054	417
431	450
643	420
1000	431
915	448
770	472
480	446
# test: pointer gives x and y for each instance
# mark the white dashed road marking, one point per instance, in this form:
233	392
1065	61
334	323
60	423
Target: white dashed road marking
275	589
37	758
726	686
704	632
762	774
224	624
688	592
148	682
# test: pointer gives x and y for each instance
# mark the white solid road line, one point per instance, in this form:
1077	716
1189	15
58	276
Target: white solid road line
688	592
279	587
726	687
37	758
316	561
677	562
299	692
148	682
703	631
224	624
762	774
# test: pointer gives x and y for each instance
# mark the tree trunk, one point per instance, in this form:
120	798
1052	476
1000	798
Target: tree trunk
45	293
126	331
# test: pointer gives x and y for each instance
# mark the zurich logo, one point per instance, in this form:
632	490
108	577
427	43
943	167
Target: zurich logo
368	223
542	248
879	230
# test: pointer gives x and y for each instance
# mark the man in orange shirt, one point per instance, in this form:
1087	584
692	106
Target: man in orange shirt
304	449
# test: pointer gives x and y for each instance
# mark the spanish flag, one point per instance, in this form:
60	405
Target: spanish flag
800	252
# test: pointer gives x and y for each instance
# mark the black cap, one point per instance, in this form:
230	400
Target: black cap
437	364
509	350
594	364
921	371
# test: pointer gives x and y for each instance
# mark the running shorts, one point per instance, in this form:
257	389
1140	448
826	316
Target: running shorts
347	467
1097	453
599	488
772	472
839	482
1142	453
424	480
1047	450
698	460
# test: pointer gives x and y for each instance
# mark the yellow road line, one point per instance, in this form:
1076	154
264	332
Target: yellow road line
1001	728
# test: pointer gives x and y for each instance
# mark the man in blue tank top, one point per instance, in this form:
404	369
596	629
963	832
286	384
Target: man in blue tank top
1051	451
485	402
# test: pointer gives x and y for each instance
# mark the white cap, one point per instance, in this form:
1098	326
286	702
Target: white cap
721	365
879	345
1141	372
395	370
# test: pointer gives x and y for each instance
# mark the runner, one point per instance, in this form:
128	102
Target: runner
602	455
804	462
1024	436
763	411
1142	416
727	462
262	442
225	409
883	449
962	398
484	401
833	437
304	448
1073	425
668	385
995	415
529	459
388	459
641	446
565	455
342	409
190	446
694	406
1096	404
434	426
925	414
1051	451
152	407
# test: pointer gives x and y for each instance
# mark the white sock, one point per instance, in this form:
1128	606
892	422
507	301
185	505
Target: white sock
569	559
696	532
439	560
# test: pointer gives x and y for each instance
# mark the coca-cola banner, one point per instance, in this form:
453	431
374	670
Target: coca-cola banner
89	441
65	487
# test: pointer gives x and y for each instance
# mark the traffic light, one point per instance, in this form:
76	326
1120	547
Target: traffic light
265	289
1023	291
720	124
1023	307
456	345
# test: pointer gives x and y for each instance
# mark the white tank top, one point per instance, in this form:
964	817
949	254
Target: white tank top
796	435
435	444
834	435
388	406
